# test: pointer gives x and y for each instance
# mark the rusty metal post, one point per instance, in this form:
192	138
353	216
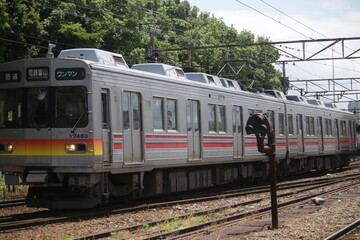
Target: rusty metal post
272	176
261	125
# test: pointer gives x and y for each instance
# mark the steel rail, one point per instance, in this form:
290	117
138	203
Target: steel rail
344	231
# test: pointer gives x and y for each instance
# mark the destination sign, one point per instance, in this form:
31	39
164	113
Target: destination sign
10	76
69	73
37	74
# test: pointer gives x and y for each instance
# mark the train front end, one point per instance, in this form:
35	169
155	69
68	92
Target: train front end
46	136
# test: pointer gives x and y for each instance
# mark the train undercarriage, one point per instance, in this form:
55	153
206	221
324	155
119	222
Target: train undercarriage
64	191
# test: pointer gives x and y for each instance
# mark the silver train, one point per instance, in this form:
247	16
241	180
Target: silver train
84	127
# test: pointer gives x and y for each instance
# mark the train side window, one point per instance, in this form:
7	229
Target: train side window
271	116
343	129
328	127
221	119
290	124
136	110
164	109
188	115
158	113
125	110
237	119
171	114
307	125
212	118
281	124
312	126
105	109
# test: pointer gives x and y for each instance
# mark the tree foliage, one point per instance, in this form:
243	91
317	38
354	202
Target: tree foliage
127	26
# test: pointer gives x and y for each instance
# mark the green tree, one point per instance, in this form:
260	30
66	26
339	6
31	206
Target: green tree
19	22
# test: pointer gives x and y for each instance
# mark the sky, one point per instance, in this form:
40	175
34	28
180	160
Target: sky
322	19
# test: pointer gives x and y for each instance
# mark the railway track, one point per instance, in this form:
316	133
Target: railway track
12	203
220	219
51	216
345	231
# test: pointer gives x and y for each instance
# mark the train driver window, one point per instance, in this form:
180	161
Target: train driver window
10	108
38	108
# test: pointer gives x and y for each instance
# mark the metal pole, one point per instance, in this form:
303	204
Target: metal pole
272	176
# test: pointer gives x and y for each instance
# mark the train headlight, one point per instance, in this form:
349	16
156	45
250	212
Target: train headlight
6	147
75	147
9	148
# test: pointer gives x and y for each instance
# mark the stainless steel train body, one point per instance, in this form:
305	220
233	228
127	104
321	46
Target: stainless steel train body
83	127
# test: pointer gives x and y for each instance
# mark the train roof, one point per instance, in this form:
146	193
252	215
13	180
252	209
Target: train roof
95	55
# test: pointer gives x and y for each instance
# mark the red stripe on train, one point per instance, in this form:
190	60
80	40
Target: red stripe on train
218	145
166	145
165	137
118	146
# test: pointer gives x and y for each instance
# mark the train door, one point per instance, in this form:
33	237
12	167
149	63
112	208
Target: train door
337	135
38	135
300	129
238	131
320	134
132	128
194	129
105	125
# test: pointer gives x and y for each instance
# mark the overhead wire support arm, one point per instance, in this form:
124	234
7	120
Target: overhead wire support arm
292	57
327	47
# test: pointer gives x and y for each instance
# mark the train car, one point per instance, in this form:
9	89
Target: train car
84	127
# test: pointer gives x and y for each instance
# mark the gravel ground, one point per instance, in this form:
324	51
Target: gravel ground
309	226
317	225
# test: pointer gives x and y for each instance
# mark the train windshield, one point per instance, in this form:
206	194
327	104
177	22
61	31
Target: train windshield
61	107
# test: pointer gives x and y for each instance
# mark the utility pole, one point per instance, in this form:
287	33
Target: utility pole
152	56
284	80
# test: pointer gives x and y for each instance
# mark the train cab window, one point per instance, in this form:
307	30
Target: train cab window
38	107
71	107
10	108
281	124
290	124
